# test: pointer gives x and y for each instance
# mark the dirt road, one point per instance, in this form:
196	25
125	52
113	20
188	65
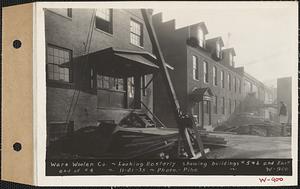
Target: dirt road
249	146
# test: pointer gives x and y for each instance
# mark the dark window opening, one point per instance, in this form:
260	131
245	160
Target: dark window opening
69	12
104	20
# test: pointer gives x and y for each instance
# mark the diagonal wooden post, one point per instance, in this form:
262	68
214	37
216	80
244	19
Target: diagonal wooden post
167	80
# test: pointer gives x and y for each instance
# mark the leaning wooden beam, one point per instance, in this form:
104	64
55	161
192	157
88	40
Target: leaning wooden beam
180	118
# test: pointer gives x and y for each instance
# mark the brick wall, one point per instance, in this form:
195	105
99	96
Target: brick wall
71	33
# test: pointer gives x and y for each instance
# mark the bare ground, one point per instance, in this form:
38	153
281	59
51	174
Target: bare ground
249	146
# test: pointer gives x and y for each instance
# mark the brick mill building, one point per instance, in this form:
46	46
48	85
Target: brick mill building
99	66
206	81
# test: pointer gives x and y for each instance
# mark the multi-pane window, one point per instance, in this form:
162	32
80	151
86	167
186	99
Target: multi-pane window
58	63
205	69
215	78
201	37
195	68
223	105
222	79
136	33
215	103
104	20
106	82
229	81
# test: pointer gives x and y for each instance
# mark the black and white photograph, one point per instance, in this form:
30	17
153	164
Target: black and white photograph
195	82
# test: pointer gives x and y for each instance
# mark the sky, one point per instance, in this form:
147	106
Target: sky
263	34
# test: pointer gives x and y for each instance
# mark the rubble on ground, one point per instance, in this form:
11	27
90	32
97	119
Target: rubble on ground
249	123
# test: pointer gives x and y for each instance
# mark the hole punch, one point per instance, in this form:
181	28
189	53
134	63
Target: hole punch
17	146
17	44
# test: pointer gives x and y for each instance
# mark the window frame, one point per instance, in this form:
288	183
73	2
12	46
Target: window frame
218	49
70	69
201	38
215	104
215	76
195	67
205	72
141	36
222	79
110	22
229	81
69	12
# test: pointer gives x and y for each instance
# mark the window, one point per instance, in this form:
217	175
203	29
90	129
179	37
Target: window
222	79
136	33
143	85
223	105
104	20
195	68
229	106
58	63
218	50
130	84
215	78
205	68
69	13
229	81
234	84
215	101
230	59
106	82
201	37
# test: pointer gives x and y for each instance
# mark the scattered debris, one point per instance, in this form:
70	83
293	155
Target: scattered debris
248	123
